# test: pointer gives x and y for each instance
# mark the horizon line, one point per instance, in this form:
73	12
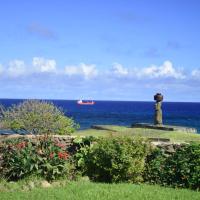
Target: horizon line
49	99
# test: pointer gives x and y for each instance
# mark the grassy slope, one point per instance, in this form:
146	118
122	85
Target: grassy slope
149	133
91	191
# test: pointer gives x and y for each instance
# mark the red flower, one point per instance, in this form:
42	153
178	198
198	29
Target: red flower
21	145
51	155
63	155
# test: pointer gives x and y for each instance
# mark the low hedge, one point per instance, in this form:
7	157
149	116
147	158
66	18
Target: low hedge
107	159
180	169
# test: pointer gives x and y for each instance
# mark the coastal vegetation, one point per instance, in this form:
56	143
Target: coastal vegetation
42	157
37	117
113	159
116	159
94	158
180	169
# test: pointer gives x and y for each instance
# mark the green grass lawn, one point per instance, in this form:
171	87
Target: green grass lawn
174	136
95	191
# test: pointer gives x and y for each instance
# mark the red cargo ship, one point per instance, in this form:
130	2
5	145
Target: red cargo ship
81	102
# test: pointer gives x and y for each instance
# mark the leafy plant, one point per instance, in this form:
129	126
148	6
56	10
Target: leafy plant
116	159
82	148
44	157
38	117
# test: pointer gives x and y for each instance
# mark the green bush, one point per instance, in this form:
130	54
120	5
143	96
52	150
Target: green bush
154	167
116	159
38	117
82	147
180	169
22	158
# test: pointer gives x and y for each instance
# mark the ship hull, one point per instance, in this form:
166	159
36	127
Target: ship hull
85	103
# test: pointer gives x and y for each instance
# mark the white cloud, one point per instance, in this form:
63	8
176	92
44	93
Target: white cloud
72	70
44	65
87	71
117	82
196	73
1	69
166	70
163	71
119	69
16	68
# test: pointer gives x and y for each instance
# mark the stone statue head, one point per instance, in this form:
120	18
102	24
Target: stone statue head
158	97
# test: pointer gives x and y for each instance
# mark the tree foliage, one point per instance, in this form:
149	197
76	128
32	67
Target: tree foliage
38	117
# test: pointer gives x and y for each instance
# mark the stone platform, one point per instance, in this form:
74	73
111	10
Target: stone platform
103	127
165	127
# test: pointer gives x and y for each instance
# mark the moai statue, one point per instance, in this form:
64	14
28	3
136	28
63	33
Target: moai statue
158	110
2	110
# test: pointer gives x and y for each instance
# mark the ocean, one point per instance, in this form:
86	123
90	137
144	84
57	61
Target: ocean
125	112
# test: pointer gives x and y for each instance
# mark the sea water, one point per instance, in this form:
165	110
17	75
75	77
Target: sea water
125	112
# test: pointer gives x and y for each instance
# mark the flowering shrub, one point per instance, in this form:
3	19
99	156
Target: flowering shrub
43	157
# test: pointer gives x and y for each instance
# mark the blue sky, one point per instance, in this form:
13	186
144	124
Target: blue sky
97	49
